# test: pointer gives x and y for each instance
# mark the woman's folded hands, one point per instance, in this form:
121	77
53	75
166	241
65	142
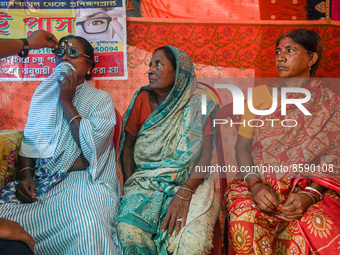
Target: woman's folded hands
292	209
295	206
264	197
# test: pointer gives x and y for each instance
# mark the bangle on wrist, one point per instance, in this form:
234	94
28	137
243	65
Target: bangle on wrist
314	191
309	194
189	187
183	198
70	122
314	195
251	173
258	181
25	168
191	190
24	52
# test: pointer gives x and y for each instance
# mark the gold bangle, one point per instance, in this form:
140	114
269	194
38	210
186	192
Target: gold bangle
192	191
70	122
183	198
189	187
317	198
309	194
25	168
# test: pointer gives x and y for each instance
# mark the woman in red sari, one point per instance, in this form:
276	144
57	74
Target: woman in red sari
285	213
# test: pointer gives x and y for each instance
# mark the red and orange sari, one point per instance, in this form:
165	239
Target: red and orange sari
315	140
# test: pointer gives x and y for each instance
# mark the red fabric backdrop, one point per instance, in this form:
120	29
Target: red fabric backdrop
283	9
243	46
218	49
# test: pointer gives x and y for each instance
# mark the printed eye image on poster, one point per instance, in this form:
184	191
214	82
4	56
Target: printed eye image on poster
102	23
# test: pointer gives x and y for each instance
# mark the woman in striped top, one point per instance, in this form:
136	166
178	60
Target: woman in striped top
68	193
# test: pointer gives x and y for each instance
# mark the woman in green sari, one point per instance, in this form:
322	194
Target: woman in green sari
168	208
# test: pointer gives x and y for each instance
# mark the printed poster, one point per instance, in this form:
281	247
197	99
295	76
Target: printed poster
102	23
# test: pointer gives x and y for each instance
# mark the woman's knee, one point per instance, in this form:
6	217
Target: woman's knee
196	239
122	231
128	233
10	247
196	243
134	240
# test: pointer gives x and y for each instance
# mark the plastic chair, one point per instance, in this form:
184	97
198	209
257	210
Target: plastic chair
118	132
224	113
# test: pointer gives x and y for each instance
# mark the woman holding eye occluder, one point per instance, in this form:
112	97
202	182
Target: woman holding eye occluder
68	194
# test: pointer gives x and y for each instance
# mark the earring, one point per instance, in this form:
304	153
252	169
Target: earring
88	72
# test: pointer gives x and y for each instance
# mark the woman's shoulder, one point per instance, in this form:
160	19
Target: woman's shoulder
330	91
326	94
140	94
143	95
261	94
139	102
196	99
260	89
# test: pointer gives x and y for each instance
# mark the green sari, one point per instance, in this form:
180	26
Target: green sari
167	147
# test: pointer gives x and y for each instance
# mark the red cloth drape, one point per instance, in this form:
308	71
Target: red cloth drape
218	50
283	9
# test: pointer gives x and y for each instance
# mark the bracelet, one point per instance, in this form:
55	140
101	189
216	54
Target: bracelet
315	190
24	52
254	183
245	177
314	194
70	122
307	193
189	187
183	198
192	191
25	168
